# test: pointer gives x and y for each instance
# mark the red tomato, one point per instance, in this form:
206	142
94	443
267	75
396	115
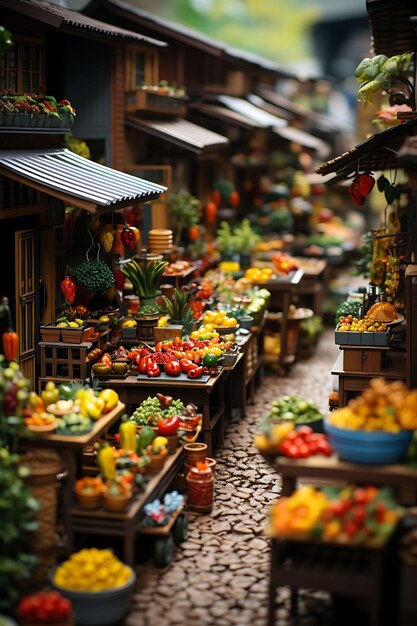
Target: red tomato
359	513
153	371
292	452
324	447
313	446
360	496
304	430
291	436
303	451
172	368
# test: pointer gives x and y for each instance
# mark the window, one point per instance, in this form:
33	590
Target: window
21	67
141	68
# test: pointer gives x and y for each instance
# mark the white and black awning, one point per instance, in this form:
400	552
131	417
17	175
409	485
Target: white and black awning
74	179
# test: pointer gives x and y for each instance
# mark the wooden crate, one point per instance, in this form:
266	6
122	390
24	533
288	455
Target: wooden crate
63	360
363	360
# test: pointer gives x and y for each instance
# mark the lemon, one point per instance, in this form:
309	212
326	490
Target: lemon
74	325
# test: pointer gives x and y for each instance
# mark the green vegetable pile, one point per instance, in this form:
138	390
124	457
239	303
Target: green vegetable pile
150	409
148	309
349	307
294	408
94	276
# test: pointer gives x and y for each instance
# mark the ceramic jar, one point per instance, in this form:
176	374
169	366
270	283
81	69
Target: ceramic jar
200	488
195	452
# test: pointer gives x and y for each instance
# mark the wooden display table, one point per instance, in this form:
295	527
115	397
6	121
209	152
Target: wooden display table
70	449
353	382
354	571
331	468
208	396
127	524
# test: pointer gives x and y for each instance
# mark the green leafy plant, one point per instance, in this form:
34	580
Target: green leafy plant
185	210
18	509
145	279
178	305
94	276
226	239
363	264
379	73
246	237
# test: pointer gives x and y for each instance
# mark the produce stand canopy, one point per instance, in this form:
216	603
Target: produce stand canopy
181	133
61	17
376	153
76	180
226	115
252	112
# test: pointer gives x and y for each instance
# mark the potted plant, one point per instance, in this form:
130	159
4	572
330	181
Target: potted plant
245	240
226	241
145	278
185	210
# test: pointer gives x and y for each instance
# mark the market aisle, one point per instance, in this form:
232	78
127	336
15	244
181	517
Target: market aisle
220	575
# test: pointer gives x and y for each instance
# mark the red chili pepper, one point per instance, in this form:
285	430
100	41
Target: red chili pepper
169	425
68	289
196	372
143	364
10	345
210	212
129	238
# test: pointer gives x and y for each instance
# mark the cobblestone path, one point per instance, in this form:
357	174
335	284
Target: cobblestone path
219	576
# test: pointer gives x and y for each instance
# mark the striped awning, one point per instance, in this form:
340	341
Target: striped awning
182	133
76	180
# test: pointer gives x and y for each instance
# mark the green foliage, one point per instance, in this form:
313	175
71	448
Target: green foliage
178	305
18	509
376	73
245	237
144	278
5	39
225	238
185	209
363	264
94	276
349	307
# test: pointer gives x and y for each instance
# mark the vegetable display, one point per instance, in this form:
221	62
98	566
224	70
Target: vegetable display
92	570
294	408
151	408
360	515
48	607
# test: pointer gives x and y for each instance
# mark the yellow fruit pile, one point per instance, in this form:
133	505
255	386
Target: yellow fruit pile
258	274
384	406
364	325
129	323
92	570
218	318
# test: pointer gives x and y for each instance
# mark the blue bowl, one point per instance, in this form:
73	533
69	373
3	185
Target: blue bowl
99	608
370	448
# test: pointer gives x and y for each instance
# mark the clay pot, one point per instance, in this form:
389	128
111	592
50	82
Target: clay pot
200	488
195	452
157	462
172	442
211	463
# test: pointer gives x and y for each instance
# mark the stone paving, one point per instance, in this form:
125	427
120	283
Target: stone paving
219	576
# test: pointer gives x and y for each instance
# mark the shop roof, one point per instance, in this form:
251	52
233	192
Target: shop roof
188	36
252	112
61	17
180	132
376	153
318	120
74	179
226	115
296	135
391	29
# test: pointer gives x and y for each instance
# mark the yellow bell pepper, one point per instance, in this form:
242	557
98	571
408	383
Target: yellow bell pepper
106	240
127	432
106	462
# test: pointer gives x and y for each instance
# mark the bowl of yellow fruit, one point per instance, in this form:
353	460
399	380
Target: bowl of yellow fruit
98	584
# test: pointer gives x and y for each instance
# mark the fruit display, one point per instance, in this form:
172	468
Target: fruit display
89	485
258	274
220	318
294	443
360	515
284	263
367	324
129	322
386	406
91	569
47	607
349	308
294	408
